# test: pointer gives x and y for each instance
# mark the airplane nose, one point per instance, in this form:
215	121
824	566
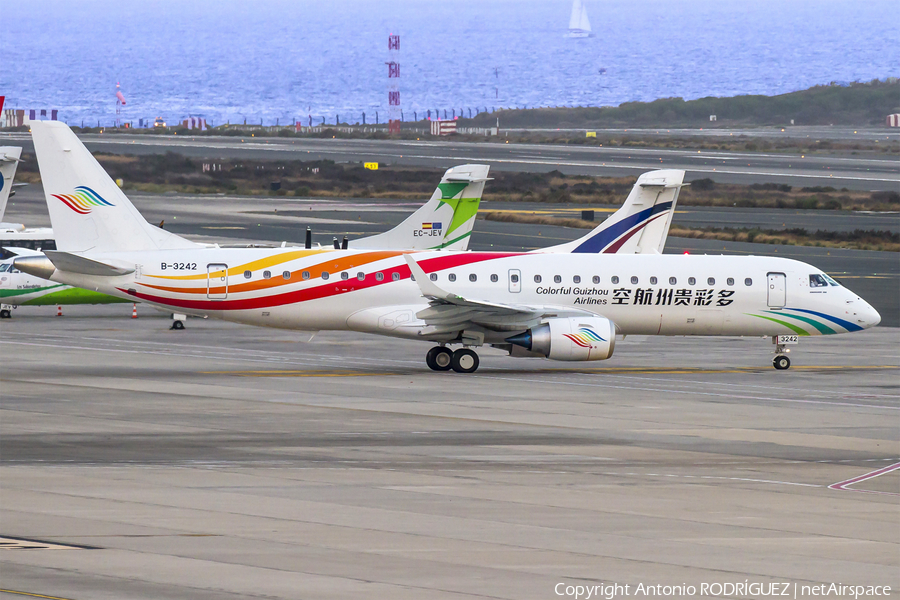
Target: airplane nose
872	317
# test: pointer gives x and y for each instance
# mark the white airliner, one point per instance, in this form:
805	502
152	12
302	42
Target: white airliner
16	234
564	306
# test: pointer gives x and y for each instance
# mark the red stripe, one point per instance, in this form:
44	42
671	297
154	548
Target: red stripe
65	201
324	290
842	485
613	248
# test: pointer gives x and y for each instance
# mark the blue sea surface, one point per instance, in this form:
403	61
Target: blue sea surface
269	60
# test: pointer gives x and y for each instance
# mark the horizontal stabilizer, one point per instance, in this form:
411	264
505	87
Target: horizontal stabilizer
73	263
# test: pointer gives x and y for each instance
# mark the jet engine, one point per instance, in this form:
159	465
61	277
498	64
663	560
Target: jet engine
592	338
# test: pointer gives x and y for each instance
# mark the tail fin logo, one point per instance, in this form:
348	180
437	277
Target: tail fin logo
585	337
83	200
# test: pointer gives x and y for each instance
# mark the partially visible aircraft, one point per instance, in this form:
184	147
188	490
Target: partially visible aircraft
21	289
444	222
562	306
641	225
16	234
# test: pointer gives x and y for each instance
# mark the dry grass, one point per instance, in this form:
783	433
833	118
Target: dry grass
860	240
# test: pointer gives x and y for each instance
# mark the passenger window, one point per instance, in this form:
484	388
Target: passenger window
379	276
286	275
730	281
615	279
672	281
361	276
473	277
653	280
634	279
748	282
325	275
537	278
345	276
691	281
433	277
248	274
557	279
267	274
304	275
710	281
596	279
816	280
452	276
576	279
494	278
514	278
395	276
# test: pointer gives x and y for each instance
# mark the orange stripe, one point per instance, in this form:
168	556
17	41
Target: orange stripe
269	261
315	271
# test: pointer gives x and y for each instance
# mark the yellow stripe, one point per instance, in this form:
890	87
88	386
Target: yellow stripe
32	595
269	261
276	373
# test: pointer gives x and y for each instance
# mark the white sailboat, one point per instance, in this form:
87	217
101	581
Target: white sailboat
579	24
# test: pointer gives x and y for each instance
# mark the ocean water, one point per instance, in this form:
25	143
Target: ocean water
268	60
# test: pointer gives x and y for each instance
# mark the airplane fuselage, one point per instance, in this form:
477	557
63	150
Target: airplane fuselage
371	291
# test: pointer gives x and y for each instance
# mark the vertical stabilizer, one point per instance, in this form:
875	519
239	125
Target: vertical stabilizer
641	225
87	209
445	221
9	160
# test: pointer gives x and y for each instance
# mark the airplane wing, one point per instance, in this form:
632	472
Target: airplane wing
449	312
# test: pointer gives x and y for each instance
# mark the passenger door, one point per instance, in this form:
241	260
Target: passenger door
777	290
216	281
515	281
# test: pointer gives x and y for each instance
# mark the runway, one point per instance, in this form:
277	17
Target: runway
859	172
231	462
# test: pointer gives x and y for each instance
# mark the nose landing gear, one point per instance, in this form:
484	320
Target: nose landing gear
463	360
781	362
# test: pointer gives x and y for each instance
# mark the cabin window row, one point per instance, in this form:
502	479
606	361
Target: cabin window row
495	278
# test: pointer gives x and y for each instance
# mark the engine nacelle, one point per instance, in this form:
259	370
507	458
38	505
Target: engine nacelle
576	338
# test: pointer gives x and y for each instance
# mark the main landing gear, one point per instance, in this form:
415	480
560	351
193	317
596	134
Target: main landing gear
5	312
463	360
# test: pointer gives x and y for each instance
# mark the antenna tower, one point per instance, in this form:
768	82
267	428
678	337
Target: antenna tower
120	102
393	65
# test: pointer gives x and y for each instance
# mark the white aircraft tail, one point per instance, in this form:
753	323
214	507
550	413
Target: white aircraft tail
87	209
641	226
9	160
445	221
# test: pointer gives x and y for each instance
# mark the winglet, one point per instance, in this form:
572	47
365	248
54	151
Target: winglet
428	288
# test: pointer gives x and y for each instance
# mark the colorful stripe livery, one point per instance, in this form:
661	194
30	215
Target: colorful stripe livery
83	200
610	240
796	325
584	337
314	287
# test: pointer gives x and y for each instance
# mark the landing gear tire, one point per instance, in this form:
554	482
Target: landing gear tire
781	362
5	314
464	361
439	359
177	325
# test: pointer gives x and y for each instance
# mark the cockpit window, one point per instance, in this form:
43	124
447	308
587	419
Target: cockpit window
831	281
4	268
816	280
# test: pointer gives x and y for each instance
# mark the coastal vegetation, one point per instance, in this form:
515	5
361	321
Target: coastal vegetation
854	104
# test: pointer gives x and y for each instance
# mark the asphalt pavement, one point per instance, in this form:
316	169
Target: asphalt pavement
859	172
